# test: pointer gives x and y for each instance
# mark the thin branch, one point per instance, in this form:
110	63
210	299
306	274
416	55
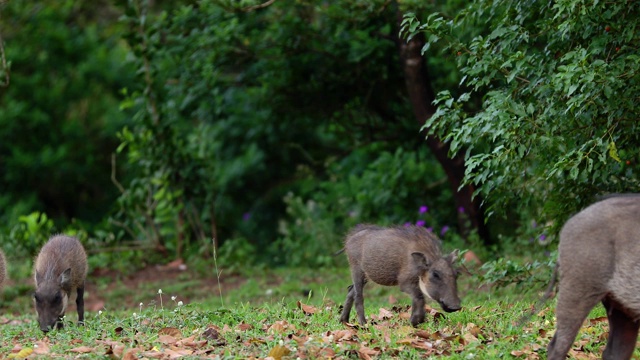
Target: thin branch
3	60
260	6
113	174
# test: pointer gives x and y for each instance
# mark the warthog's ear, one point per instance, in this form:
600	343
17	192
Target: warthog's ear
65	279
452	257
420	261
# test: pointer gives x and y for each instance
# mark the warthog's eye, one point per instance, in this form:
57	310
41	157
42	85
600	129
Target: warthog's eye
435	275
57	298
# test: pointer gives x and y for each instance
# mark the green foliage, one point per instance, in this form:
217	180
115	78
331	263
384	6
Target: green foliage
548	114
525	276
239	106
59	113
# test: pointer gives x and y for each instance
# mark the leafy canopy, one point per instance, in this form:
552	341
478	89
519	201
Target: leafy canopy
548	114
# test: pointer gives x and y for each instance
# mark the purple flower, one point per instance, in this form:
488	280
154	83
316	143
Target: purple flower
461	209
423	209
430	229
444	230
246	216
407	224
420	223
542	238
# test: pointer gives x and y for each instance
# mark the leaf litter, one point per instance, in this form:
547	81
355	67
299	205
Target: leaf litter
387	334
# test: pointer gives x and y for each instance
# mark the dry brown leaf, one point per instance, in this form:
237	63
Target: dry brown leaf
422	345
392	300
365	352
41	347
115	351
598	320
280	326
278	351
171	331
153	354
307	309
384	314
212	334
177	353
167	339
131	354
82	350
342	335
473	329
244	327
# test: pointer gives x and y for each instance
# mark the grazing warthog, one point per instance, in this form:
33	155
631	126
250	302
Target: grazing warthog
3	269
60	268
406	256
599	261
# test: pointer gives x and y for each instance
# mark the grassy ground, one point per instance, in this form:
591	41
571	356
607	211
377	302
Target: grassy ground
283	314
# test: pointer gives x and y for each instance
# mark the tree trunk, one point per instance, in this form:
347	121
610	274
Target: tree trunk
421	95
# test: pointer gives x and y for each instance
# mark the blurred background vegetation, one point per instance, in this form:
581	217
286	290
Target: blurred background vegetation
156	130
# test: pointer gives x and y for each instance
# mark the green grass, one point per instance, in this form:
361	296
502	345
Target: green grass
260	315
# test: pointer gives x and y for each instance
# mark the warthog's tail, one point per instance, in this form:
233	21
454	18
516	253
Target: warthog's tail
543	300
338	252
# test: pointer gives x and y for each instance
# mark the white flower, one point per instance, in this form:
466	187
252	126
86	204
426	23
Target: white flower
173	298
179	303
160	291
99	312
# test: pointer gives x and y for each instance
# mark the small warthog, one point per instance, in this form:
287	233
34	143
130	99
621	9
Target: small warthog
598	261
60	268
3	269
408	256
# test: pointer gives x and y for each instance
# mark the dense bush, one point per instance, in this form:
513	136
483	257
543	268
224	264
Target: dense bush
558	120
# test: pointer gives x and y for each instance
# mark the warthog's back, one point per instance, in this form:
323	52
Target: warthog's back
58	254
600	248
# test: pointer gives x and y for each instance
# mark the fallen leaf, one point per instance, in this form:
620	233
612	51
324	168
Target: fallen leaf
384	314
22	354
342	335
245	327
212	334
41	347
307	309
131	354
171	331
278	351
82	350
392	300
598	320
365	352
167	339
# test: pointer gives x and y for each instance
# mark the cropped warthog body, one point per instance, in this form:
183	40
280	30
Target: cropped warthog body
599	262
60	269
3	269
409	257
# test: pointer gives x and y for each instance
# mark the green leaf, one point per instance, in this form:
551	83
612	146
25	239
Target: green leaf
613	152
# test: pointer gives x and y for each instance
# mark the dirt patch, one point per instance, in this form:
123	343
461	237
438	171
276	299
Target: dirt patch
128	287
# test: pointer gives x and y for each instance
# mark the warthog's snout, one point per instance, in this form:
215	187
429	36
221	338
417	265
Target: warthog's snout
452	308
